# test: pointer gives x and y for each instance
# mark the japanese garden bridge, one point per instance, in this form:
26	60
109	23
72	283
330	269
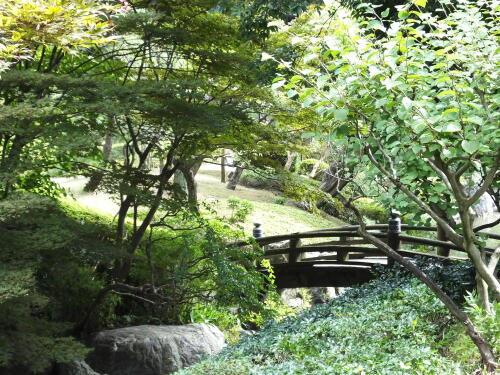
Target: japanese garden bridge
340	257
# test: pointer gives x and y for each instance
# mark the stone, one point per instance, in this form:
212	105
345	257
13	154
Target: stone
75	368
153	350
298	298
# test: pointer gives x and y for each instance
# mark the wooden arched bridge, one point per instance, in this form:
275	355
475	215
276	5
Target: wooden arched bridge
340	257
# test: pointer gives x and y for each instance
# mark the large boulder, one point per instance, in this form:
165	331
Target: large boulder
75	368
153	350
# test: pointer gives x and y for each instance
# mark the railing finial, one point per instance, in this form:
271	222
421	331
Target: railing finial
258	232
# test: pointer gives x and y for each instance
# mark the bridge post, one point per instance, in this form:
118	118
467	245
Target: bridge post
393	232
441	235
294	254
343	255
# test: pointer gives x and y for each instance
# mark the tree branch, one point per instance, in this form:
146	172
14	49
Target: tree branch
488	180
451	234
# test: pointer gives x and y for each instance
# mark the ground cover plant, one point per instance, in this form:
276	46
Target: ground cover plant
391	325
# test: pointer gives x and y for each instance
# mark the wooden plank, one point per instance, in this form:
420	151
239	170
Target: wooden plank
350	231
344	263
428	241
351	256
320	247
416	253
314	249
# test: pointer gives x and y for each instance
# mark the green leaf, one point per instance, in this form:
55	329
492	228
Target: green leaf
385	13
420	3
453	127
292	93
470	146
403	14
450	110
447	92
277	85
341	114
407	102
426	138
322	80
296	79
265	56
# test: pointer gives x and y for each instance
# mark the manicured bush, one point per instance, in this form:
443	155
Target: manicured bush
262	179
372	210
307	165
280	200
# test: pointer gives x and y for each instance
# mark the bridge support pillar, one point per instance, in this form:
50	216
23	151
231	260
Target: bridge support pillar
343	255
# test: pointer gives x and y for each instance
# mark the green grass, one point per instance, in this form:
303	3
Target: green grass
275	218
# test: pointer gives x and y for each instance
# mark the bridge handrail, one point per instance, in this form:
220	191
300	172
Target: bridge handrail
350	231
404	227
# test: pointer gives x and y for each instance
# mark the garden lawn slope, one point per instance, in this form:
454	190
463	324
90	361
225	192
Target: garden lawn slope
386	327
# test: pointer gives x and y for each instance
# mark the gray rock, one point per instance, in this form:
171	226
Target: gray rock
153	350
76	368
278	258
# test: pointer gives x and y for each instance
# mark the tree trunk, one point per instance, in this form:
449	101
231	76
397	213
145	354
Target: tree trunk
223	169
482	345
11	163
192	187
333	179
316	165
487	356
234	178
181	184
184	178
291	155
476	257
96	177
333	182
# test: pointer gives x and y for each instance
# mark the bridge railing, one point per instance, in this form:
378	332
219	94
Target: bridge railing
346	246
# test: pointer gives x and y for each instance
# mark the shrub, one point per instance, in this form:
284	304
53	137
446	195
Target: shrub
261	179
240	209
458	345
307	165
280	200
32	230
372	210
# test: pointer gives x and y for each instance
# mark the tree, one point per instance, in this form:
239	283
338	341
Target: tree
38	97
419	109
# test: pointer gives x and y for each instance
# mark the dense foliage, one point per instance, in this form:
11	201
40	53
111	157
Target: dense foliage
55	260
389	326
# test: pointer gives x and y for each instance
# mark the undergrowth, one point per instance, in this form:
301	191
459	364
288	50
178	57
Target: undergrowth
392	325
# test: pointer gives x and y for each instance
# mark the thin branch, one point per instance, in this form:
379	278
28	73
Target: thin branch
488	180
452	235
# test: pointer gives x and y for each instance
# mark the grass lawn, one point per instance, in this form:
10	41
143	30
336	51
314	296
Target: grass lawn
275	218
